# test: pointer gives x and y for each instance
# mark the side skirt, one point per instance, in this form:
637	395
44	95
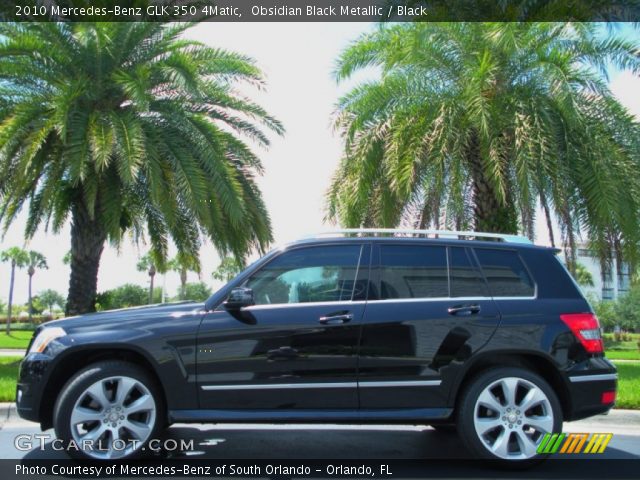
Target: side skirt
409	415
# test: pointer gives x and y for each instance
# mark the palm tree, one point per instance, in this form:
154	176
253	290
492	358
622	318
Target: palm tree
183	263
18	259
583	276
148	264
473	125
129	127
36	261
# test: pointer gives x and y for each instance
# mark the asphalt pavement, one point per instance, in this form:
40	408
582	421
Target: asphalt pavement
253	441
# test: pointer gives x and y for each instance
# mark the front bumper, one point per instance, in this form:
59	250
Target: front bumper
32	379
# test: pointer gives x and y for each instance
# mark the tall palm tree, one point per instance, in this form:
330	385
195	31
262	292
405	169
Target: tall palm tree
36	261
129	127
183	263
18	258
473	125
148	264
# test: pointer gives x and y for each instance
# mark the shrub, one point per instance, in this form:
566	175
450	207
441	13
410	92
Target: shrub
628	309
127	295
198	291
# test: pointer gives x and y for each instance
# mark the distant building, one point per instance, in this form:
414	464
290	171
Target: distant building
608	286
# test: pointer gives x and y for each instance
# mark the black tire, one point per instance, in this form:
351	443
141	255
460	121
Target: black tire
495	382
75	390
445	428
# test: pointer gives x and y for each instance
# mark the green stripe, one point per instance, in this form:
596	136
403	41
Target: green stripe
544	441
547	448
558	443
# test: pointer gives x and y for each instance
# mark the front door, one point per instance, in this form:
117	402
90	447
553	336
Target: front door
296	348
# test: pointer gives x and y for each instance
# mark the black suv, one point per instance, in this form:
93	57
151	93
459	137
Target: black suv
486	332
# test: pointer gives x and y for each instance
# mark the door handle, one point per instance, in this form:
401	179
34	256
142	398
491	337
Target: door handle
464	310
335	319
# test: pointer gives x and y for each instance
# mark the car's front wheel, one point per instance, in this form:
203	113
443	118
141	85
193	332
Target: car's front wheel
109	410
505	413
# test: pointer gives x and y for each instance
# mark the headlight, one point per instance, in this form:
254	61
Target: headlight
45	337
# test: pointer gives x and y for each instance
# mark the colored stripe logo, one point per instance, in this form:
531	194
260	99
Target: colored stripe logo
574	443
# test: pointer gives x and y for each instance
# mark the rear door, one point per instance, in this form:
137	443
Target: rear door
429	313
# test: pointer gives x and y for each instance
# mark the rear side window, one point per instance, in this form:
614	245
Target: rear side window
505	273
465	279
408	271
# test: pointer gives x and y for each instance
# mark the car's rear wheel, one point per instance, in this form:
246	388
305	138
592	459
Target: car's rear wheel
505	413
107	411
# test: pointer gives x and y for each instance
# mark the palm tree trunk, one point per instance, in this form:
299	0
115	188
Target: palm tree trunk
11	282
547	216
570	247
151	278
30	300
87	244
491	215
425	218
183	283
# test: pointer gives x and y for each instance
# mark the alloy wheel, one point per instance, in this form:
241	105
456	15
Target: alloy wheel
113	417
511	416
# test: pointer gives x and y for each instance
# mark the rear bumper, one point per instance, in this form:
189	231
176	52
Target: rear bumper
587	387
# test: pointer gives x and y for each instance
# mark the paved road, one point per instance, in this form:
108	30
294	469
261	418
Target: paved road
326	441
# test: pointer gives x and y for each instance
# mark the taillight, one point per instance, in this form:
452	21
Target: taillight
586	328
608	397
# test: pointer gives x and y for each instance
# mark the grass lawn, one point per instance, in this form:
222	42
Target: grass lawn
18	339
628	385
8	378
611	344
623	354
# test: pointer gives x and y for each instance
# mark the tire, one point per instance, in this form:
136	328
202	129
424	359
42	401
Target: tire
104	402
444	428
496	425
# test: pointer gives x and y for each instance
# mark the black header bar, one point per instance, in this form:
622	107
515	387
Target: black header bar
320	10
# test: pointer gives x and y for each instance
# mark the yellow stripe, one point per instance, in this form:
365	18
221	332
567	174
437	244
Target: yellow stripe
606	442
590	444
594	444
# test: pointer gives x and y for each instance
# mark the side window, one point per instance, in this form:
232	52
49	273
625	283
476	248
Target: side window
312	274
464	278
408	271
505	273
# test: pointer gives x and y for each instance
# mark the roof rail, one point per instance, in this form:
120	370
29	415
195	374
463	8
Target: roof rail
374	232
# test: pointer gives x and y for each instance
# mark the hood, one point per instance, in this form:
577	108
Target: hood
128	317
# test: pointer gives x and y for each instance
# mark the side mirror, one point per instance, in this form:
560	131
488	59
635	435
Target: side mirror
238	298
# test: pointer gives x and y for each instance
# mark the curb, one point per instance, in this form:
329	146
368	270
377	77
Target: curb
7	412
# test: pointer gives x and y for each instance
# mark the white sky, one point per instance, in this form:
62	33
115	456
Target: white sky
297	59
